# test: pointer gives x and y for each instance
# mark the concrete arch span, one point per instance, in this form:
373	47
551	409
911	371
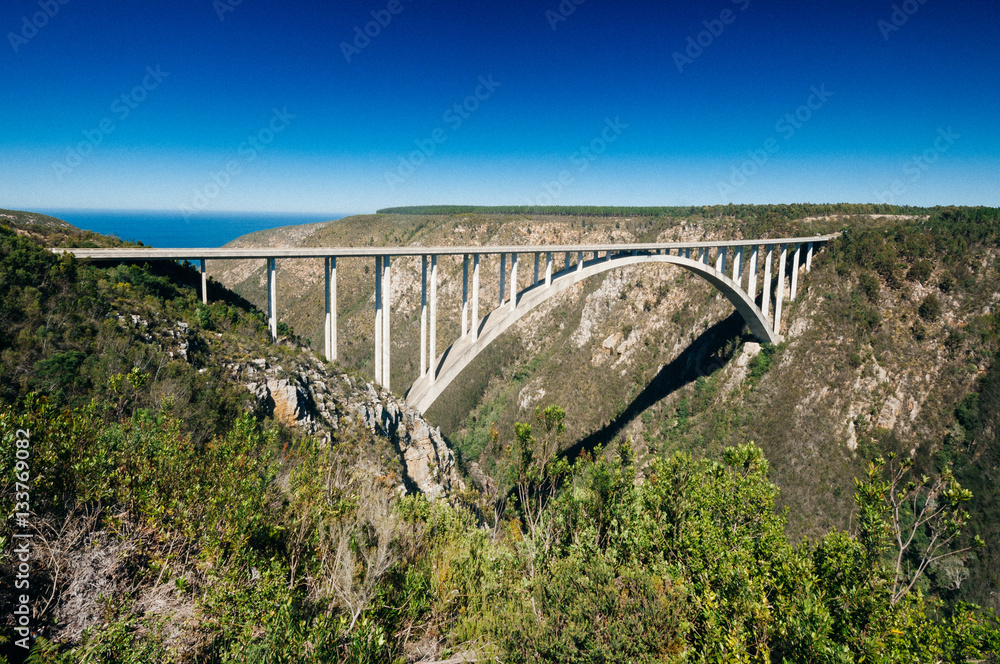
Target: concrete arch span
446	367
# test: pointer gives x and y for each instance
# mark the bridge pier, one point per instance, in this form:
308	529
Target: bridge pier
738	265
503	274
272	300
548	269
465	294
204	282
423	315
752	274
795	272
378	319
536	268
809	258
766	303
434	306
330	320
780	297
386	312
475	295
513	281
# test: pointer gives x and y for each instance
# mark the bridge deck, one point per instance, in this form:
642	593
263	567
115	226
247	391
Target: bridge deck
347	252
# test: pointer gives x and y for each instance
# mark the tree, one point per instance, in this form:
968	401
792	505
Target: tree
916	522
537	472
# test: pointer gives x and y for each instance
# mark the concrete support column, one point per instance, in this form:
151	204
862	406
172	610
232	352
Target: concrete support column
720	260
687	253
809	257
568	260
766	306
432	353
503	274
513	281
548	269
386	312
536	268
423	315
378	319
579	261
465	295
204	282
330	325
795	272
752	274
780	297
738	265
272	299
475	295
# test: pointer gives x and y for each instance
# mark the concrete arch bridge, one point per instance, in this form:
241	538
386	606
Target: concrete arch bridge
735	268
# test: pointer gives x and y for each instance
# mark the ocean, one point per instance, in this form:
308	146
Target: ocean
169	229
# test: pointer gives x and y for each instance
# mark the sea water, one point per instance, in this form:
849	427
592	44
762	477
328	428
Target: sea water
169	229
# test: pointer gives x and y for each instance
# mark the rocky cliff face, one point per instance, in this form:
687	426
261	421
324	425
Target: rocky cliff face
301	391
318	402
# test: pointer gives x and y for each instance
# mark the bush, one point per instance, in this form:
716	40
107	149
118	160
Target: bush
930	308
920	271
869	285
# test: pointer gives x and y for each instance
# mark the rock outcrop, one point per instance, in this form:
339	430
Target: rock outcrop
319	402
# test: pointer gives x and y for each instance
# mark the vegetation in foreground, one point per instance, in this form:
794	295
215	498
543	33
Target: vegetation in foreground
575	563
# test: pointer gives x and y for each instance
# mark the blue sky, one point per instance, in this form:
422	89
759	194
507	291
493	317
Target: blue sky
260	105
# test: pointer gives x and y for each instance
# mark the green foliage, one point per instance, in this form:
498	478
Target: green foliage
930	308
920	271
761	363
869	285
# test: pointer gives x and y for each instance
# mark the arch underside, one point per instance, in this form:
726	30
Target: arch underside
460	354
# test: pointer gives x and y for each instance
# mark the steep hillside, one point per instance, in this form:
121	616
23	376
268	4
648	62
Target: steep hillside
657	355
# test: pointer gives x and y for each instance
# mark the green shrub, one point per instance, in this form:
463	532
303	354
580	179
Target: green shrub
869	285
920	271
930	308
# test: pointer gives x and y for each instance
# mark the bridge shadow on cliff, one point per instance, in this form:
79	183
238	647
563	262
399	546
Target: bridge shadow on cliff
706	355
